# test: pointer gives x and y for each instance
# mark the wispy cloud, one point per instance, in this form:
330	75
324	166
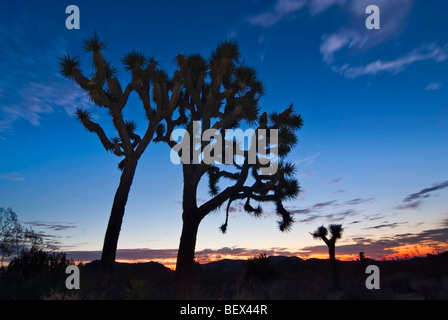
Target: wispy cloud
30	84
433	86
321	205
305	165
319	6
351	36
425	193
333	43
385	225
373	217
52	233
55	226
307	160
410	205
425	52
280	10
336	181
12	176
340	46
355	40
357	201
414	200
320	210
341	215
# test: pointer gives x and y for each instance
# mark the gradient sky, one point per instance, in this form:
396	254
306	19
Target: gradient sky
373	151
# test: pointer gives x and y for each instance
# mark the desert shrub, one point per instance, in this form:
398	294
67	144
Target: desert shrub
397	283
443	293
427	287
34	273
37	262
138	289
283	289
62	295
260	268
316	289
250	291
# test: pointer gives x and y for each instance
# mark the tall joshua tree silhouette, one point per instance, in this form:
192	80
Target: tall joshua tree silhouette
336	233
105	90
222	92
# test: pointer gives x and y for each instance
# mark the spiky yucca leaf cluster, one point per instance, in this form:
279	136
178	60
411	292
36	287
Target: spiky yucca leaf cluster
322	233
69	65
134	61
94	44
336	230
105	90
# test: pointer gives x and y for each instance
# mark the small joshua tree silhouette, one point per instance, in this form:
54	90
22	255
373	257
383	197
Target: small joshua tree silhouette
336	233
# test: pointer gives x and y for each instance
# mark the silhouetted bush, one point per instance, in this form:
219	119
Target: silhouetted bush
33	273
260	268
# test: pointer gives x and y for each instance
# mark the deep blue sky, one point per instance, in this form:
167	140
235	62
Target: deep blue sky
372	153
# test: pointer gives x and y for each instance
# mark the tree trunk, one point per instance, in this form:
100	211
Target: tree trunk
185	256
115	221
332	253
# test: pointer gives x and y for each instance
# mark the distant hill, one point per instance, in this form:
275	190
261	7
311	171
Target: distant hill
293	278
134	270
281	263
224	266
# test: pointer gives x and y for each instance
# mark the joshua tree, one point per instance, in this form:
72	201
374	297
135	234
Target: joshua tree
336	233
105	90
221	93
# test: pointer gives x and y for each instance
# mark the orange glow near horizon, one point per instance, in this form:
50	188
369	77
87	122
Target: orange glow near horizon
169	263
410	251
324	256
401	252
